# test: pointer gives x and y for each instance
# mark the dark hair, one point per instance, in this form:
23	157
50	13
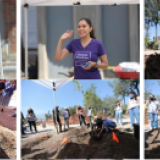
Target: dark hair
30	111
135	95
99	123
90	24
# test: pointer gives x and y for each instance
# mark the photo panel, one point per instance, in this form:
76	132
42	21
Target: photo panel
80	118
152	119
56	30
8	114
8	50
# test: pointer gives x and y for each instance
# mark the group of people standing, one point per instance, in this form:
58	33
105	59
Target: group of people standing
133	110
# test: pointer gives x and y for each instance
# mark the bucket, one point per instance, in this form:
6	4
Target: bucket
136	130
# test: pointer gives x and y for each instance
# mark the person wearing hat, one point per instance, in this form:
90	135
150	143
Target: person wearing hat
56	118
152	110
66	115
105	124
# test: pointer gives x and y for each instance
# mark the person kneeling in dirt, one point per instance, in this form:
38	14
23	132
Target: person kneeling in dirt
55	120
66	115
106	124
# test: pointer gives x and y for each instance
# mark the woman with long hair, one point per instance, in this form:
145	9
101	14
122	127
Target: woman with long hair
152	110
86	51
134	108
81	115
31	119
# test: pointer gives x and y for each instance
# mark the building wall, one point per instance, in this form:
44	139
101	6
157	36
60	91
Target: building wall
9	20
1	21
114	26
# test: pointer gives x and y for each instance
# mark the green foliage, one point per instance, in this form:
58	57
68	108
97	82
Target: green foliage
155	46
147	42
122	88
152	16
109	103
48	116
72	110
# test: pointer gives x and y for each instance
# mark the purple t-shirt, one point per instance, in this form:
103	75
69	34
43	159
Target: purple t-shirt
82	55
109	120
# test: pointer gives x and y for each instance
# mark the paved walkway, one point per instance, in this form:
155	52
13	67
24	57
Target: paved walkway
6	119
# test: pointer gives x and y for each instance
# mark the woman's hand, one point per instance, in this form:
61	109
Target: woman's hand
67	35
91	64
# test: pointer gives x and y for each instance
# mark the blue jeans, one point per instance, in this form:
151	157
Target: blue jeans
108	124
153	120
134	114
118	116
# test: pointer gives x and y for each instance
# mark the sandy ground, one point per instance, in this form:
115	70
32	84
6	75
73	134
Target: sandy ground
46	144
8	143
149	52
7	134
152	142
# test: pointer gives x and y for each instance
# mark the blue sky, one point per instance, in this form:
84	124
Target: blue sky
152	32
153	86
40	99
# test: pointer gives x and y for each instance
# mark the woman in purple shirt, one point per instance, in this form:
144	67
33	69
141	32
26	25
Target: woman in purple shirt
86	51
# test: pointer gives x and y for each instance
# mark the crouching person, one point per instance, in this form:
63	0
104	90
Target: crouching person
105	124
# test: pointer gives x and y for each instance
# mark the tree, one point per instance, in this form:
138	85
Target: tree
109	103
152	8
122	88
48	116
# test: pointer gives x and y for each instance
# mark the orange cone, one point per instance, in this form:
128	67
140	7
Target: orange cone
65	141
114	137
88	143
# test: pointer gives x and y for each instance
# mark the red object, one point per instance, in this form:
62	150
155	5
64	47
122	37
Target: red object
114	137
126	74
65	140
88	143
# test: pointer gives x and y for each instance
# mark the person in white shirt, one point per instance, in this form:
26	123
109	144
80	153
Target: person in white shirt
89	114
152	110
118	113
134	108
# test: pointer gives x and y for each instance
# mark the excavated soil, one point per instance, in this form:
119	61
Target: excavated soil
152	66
47	145
8	143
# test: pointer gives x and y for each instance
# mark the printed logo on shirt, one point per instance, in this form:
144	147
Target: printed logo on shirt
81	57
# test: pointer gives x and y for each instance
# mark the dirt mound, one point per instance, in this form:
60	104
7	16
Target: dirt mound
152	147
6	119
8	143
48	145
152	66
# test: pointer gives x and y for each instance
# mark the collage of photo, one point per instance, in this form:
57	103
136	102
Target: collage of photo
78	91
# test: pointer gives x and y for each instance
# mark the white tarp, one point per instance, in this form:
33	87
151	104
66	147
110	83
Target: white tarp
82	2
49	83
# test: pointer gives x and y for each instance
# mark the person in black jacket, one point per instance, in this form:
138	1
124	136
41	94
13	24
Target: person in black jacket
57	115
